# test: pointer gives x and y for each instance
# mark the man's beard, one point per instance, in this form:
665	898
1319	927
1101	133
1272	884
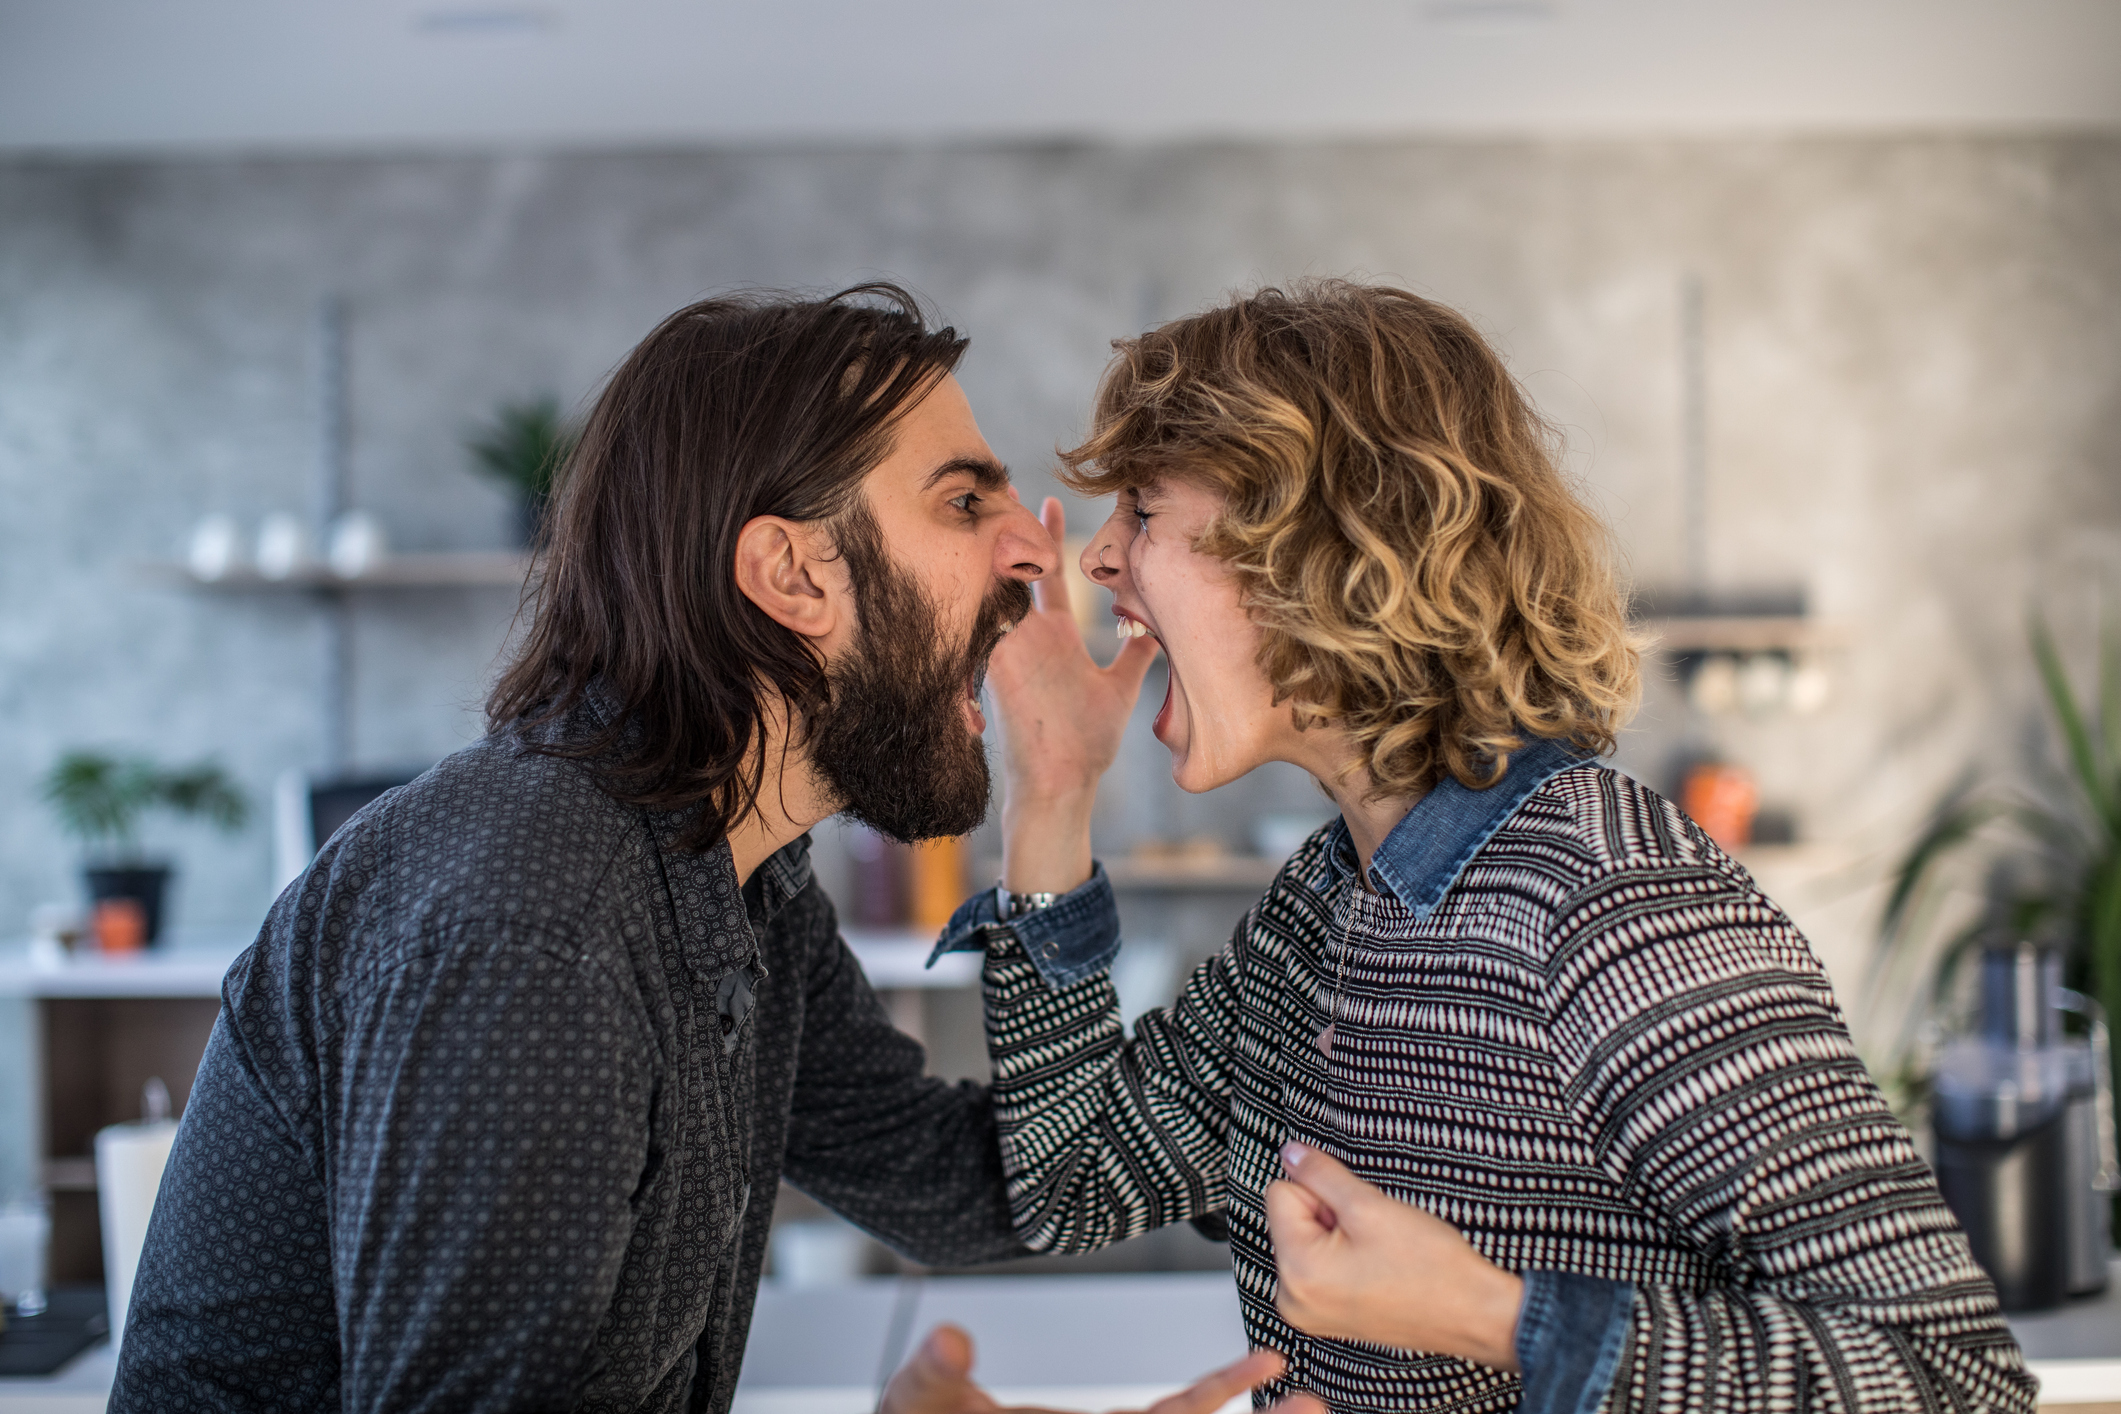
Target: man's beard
891	743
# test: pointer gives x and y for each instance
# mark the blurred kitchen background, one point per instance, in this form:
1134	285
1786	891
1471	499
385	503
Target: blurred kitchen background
1824	298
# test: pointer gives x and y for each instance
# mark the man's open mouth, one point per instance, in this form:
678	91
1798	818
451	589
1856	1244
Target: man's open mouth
981	656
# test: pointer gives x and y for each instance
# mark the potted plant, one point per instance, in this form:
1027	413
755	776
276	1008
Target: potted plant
2047	864
100	799
524	448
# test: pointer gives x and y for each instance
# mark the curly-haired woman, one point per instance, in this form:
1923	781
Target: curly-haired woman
1571	1116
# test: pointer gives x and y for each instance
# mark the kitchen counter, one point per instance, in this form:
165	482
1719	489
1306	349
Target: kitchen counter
1076	1342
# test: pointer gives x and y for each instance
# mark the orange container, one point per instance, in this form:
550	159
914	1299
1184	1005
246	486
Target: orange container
938	881
1723	800
119	925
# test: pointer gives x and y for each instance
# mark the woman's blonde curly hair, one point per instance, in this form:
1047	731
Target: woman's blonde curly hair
1425	577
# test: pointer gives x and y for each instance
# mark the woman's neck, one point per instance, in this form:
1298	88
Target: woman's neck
1369	821
1337	763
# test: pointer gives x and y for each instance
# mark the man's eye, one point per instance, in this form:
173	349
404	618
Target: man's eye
966	502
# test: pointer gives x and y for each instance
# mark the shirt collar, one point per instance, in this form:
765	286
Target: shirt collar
784	874
1432	844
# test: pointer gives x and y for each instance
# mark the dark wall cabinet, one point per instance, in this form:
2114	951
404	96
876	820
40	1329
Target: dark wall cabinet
98	1053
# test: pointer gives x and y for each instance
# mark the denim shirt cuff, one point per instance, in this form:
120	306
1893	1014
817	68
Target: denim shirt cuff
1570	1331
1073	938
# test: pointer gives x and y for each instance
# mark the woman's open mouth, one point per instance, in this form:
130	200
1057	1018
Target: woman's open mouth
1131	627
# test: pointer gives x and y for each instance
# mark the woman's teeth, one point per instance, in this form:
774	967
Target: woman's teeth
1133	628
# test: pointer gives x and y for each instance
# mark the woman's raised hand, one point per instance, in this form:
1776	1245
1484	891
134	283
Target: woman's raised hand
1061	717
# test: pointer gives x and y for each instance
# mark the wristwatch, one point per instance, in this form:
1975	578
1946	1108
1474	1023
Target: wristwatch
1010	905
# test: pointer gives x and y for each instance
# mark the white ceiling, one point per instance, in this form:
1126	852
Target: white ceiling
212	75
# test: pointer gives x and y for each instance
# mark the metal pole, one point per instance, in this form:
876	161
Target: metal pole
1694	437
335	423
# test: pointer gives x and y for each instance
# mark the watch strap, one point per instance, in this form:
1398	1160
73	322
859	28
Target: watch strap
1014	905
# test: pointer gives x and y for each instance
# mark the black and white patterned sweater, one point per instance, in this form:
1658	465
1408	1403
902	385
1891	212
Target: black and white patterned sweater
1595	1047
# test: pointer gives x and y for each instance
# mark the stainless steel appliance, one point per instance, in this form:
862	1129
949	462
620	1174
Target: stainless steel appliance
2024	1127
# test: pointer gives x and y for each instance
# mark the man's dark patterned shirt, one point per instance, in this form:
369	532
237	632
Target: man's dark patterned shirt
496	1107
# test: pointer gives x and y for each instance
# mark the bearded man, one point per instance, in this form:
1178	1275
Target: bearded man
497	1104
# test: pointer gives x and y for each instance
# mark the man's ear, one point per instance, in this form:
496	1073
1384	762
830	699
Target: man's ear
789	570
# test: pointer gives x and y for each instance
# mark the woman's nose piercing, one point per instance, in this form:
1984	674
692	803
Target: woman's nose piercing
1101	557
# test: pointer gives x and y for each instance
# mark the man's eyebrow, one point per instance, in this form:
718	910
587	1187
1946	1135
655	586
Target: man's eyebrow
986	473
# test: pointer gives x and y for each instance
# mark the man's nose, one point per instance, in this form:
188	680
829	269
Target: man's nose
1024	550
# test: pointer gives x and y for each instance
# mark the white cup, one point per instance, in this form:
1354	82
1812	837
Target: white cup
358	545
216	547
25	1234
283	546
129	1163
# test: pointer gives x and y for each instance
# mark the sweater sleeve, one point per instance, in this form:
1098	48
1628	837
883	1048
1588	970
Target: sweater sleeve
1702	1052
1106	1137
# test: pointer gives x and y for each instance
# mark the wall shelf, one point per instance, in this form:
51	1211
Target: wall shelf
1741	633
1203	874
157	972
452	569
1213	872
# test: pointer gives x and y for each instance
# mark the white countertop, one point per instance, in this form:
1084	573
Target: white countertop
891	957
1076	1342
189	964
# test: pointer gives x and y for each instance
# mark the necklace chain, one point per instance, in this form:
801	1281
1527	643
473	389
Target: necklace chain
1325	1038
1301	1375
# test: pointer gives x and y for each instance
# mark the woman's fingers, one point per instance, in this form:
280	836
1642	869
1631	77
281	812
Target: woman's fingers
938	1379
1296	1215
1326	1178
1212	1392
946	1354
1050	592
1132	665
1298	1404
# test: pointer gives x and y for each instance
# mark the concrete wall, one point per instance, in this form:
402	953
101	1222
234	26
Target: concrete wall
1913	365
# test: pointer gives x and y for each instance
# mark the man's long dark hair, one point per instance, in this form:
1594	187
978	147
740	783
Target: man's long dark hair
736	407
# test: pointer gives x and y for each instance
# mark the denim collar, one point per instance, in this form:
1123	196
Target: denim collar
1428	849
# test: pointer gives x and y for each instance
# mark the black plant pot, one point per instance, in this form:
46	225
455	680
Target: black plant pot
144	883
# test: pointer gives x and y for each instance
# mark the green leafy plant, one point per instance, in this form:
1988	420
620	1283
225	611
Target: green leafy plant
100	799
2053	861
524	446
